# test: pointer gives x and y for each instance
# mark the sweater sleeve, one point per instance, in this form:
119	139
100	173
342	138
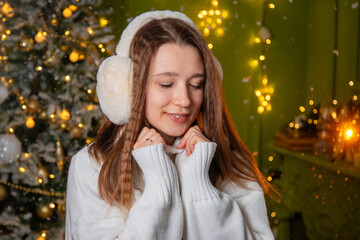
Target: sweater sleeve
252	203
157	213
210	213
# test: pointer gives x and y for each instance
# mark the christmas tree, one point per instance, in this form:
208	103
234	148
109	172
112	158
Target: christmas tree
49	55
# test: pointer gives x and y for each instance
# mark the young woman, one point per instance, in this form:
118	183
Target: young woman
168	162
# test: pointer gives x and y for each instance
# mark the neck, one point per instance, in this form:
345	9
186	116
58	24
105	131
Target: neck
168	139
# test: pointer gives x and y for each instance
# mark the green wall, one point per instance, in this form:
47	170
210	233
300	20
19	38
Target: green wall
300	61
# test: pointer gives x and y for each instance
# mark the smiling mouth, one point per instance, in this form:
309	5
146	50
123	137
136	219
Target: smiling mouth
179	118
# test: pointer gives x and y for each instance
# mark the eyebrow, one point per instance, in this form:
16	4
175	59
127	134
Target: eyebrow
174	74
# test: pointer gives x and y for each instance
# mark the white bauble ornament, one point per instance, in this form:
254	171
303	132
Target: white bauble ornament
10	148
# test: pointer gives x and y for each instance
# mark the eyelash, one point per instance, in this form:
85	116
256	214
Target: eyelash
170	85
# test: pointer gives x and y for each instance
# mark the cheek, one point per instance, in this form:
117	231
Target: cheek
198	100
155	99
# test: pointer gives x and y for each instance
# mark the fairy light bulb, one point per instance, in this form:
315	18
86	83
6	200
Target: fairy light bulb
40	37
73	7
90	30
30	123
254	63
225	14
74	56
215	3
260	109
65	115
220	31
103	22
67	12
67	78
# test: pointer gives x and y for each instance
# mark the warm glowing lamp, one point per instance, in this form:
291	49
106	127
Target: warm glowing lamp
349	133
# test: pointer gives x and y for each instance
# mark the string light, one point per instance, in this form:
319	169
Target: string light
254	63
67	13
257	40
90	107
30	123
103	22
271	5
90	30
67	78
212	19
40	37
74	56
65	115
264	96
351	83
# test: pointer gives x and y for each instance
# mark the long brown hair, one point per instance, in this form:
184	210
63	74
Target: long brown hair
114	143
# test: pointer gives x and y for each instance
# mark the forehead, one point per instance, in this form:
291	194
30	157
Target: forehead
177	57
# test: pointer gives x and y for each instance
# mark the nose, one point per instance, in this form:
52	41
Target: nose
181	96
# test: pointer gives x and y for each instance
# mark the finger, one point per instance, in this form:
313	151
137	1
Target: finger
185	138
190	145
148	135
142	132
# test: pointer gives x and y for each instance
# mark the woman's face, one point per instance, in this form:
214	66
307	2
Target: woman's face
175	89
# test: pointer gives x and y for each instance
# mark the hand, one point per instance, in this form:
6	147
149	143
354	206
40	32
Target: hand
147	137
191	137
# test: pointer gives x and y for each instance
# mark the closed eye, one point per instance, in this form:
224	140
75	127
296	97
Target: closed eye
196	86
167	85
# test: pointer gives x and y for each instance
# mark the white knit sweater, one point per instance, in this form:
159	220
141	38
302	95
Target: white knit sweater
177	202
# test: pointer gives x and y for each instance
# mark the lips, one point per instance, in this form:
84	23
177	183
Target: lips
177	117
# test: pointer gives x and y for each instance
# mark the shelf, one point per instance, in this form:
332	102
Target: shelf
321	161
